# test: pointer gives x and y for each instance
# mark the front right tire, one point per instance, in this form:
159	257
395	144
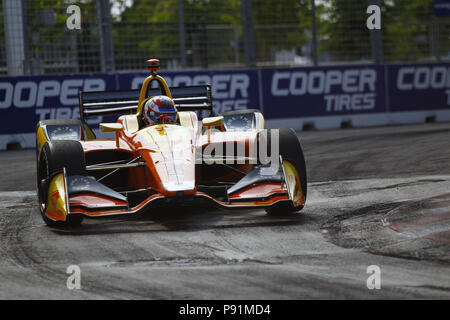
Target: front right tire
291	151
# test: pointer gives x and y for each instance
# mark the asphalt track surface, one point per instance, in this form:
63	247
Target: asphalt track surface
377	196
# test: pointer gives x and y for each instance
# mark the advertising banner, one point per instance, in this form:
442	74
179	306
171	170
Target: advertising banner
441	8
26	100
278	92
323	91
417	87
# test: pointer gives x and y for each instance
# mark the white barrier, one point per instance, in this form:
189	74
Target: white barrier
369	120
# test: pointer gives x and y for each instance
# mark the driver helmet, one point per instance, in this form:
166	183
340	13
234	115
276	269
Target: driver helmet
160	109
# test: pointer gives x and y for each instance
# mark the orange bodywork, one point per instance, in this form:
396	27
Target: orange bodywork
166	149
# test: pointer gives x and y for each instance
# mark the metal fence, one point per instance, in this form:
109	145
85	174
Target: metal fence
119	35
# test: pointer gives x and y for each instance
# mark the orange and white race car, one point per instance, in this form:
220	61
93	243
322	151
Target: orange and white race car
229	160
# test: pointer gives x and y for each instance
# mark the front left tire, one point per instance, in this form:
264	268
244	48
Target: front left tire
56	155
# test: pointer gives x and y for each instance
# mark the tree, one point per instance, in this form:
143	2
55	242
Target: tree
55	47
406	27
213	32
280	25
345	37
151	29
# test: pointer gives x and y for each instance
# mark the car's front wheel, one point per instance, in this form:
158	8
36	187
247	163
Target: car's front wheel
55	156
291	152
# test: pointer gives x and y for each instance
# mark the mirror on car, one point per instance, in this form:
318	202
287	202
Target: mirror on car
111	127
212	121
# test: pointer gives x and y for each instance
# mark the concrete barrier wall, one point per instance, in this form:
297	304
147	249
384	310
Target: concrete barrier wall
308	97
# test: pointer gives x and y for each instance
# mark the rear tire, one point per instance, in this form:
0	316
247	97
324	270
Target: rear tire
290	150
55	156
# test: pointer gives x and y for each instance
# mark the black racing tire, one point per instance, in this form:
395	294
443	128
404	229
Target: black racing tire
290	150
55	156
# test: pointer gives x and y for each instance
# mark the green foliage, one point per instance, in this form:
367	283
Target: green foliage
280	25
151	28
147	28
406	29
51	42
345	36
213	30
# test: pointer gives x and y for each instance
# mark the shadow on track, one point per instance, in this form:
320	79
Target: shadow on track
181	218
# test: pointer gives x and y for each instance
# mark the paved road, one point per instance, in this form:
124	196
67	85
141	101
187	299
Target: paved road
377	196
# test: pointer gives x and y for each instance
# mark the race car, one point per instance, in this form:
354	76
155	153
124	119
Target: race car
230	160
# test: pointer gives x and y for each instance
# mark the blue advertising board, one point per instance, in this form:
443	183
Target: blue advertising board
441	8
415	87
26	100
323	91
281	93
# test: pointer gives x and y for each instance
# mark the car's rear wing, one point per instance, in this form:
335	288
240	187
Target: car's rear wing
119	102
